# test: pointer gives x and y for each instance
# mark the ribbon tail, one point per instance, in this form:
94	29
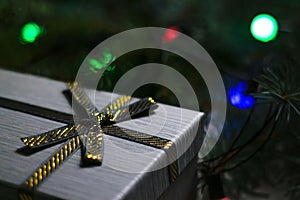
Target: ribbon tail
133	110
50	137
52	163
92	146
83	100
117	104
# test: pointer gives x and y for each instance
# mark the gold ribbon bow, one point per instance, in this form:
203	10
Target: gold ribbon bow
88	135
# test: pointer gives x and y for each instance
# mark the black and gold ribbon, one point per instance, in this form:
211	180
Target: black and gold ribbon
153	141
88	134
93	145
53	162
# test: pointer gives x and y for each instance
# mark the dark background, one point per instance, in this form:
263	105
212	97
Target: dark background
73	28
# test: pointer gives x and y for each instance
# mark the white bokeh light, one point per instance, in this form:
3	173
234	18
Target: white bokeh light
264	27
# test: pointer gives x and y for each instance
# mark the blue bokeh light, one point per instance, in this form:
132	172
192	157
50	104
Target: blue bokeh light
239	98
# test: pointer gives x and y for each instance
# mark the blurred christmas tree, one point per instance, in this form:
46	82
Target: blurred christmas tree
256	153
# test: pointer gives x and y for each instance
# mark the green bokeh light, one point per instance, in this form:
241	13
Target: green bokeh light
264	27
98	64
30	32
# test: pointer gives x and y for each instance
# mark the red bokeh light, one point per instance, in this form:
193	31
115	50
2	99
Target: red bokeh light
170	34
225	198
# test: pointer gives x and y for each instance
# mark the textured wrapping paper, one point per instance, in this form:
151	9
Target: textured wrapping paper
129	170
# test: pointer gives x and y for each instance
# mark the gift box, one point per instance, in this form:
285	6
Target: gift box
130	169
